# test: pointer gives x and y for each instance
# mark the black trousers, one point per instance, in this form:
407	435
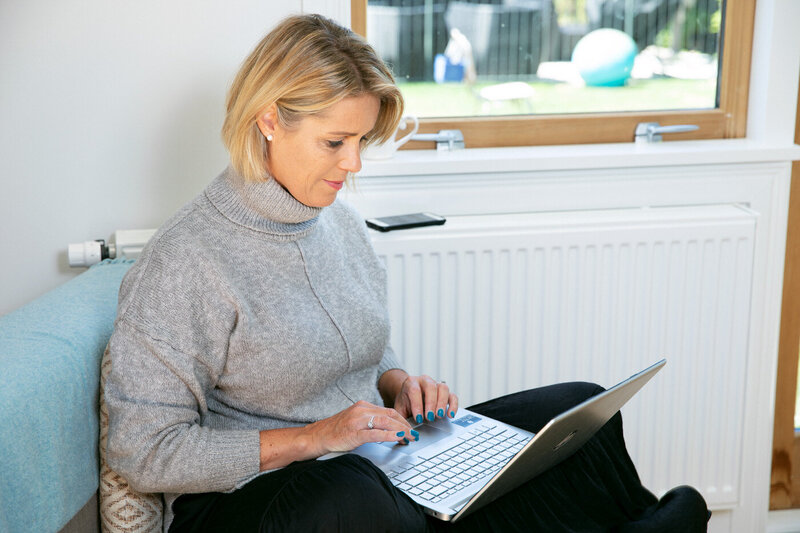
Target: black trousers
597	489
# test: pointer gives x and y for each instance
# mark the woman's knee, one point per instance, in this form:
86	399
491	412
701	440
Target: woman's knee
532	409
578	391
688	506
681	509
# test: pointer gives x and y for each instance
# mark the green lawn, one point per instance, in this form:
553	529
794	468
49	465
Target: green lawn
429	99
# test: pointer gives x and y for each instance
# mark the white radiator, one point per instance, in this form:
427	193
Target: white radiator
500	303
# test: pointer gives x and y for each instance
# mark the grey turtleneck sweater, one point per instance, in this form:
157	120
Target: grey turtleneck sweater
246	311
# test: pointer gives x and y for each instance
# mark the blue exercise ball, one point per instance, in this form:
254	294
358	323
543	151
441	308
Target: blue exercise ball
604	57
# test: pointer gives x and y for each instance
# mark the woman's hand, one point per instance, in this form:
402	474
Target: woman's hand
418	397
360	423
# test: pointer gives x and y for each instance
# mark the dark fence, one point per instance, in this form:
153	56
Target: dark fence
510	38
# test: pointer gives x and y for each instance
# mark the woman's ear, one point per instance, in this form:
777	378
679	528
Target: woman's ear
268	121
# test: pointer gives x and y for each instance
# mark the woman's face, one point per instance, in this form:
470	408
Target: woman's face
312	160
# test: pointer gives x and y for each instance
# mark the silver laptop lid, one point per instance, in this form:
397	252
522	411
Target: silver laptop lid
559	439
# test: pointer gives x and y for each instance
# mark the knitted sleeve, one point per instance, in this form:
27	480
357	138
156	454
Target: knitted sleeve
156	442
388	362
167	352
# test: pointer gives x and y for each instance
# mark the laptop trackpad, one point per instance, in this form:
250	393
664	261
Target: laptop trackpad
427	435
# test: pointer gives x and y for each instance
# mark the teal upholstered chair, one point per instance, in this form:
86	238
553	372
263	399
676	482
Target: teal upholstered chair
50	352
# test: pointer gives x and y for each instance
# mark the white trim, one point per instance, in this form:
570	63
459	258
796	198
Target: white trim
578	157
787	521
774	71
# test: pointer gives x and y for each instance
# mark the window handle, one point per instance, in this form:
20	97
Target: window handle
649	132
446	140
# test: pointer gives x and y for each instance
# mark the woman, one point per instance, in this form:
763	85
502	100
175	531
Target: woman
252	334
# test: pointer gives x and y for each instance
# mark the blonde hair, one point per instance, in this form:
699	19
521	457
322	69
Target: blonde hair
306	64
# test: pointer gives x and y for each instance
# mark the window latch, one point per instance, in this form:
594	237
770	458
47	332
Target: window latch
650	132
446	140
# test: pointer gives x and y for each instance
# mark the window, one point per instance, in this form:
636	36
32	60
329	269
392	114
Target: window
500	70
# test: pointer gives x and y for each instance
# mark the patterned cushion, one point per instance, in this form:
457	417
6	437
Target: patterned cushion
123	510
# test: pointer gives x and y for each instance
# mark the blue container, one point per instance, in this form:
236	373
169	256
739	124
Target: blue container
446	71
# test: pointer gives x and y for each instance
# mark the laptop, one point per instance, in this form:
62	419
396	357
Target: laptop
461	464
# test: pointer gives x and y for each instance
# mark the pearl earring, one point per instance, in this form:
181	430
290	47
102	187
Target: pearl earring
269	137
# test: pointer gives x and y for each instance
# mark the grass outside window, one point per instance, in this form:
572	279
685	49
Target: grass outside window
429	99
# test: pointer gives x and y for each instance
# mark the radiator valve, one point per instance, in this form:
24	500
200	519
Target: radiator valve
88	253
127	244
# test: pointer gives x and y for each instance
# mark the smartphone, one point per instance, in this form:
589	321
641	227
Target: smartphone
414	220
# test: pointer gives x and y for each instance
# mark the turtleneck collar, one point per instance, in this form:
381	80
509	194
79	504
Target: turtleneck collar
263	206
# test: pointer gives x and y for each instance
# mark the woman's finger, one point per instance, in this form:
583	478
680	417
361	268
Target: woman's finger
387	425
363	415
452	405
413	395
384	435
392	413
430	396
442	398
382	418
410	434
389	419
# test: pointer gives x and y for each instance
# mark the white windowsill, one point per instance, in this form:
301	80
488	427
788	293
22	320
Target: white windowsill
572	157
784	521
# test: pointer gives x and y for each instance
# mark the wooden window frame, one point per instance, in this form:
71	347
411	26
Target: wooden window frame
727	121
785	482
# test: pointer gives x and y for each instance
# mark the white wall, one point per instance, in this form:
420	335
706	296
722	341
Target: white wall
110	114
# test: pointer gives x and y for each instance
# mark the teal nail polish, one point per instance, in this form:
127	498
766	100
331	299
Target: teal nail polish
430	416
419	419
415	434
405	440
401	433
452	414
441	413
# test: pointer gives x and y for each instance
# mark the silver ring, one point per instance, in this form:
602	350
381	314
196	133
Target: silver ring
370	424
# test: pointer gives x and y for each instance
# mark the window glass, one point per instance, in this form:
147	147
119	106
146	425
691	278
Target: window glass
797	402
461	58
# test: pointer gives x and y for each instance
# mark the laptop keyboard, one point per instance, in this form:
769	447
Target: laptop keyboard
481	453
